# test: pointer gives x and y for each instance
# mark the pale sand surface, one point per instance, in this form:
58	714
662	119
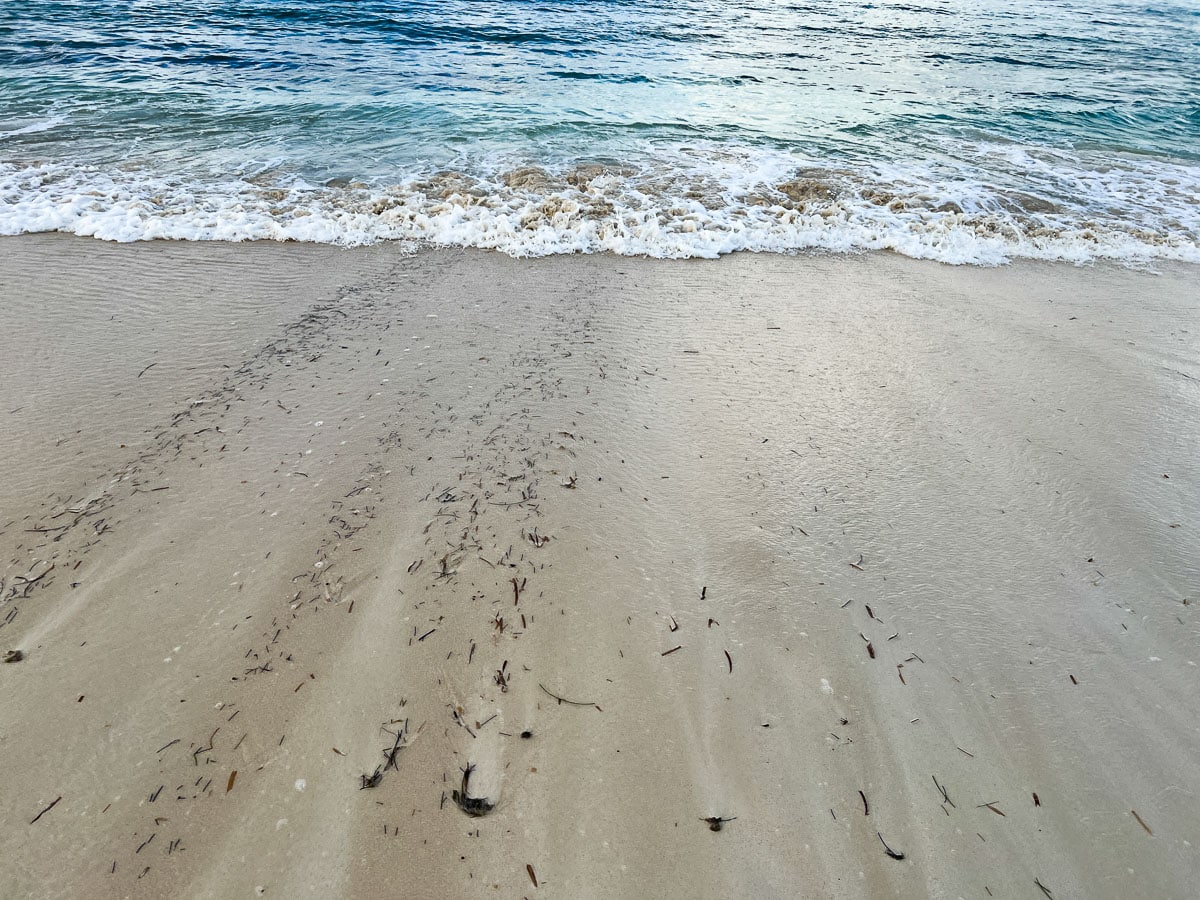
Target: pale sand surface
299	530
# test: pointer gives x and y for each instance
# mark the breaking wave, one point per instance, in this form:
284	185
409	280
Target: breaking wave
690	202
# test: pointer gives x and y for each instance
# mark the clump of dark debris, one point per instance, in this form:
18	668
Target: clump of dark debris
472	806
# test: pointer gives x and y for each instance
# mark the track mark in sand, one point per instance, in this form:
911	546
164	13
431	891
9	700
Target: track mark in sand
70	527
49	547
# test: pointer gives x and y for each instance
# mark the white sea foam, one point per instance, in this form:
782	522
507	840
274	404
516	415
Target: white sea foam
32	127
695	203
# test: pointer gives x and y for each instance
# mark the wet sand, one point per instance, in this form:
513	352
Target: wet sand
850	551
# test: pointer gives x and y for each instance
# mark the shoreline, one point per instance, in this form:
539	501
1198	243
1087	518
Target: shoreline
667	205
297	497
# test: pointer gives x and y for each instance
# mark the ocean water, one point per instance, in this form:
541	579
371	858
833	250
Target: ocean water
968	131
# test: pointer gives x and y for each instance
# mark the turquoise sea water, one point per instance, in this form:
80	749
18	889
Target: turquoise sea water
962	131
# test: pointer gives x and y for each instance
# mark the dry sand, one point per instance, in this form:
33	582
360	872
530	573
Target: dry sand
275	510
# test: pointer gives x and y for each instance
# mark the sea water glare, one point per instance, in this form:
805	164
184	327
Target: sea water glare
959	130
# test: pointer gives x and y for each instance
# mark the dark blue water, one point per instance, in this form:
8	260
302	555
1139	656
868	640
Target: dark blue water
963	131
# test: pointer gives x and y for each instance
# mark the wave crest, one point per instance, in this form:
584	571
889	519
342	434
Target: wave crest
695	204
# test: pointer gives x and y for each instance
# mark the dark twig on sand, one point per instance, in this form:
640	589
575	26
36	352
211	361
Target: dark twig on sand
1140	821
890	852
390	753
53	804
942	791
564	699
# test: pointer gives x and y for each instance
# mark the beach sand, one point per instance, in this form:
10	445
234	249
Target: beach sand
849	550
